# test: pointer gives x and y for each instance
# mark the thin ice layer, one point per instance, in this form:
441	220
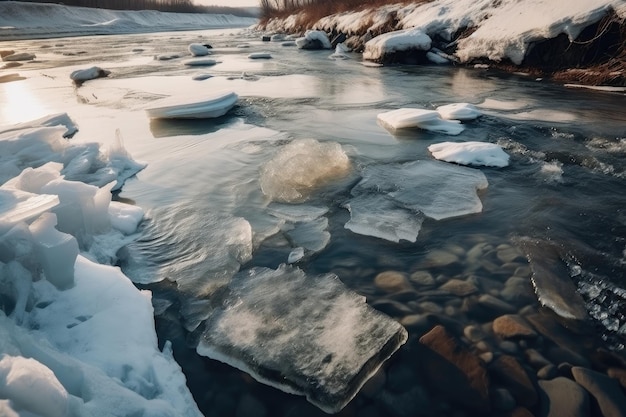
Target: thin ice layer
376	215
306	335
436	189
470	153
431	120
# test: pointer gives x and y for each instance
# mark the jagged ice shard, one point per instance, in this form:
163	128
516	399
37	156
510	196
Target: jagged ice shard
303	334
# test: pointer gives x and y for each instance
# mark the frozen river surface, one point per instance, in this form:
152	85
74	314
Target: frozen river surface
300	169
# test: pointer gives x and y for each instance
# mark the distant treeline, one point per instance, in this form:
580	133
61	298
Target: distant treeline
319	8
177	6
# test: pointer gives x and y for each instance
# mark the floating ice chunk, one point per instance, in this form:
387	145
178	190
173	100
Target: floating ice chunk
459	111
167	57
32	387
204	107
289	43
390	42
312	235
125	217
58	119
436	58
277	37
424	119
300	167
18	206
340	52
260	55
470	153
197	49
87	74
202	62
56	251
437	189
21	56
376	215
314	39
296	212
306	335
201	77
295	255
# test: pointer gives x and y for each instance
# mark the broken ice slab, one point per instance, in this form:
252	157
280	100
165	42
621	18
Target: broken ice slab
57	251
312	235
437	189
303	334
424	119
201	107
17	206
375	215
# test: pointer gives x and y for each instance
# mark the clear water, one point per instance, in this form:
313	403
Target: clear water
566	182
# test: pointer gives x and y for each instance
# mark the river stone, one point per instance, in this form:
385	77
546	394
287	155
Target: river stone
451	368
509	371
547	326
518	412
619	375
606	391
440	258
553	287
473	333
548	372
512	326
422	278
392	281
503	400
563	397
507	346
459	287
392	308
518	290
507	253
495	305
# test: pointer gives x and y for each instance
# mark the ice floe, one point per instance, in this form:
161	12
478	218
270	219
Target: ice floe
260	55
470	153
199	107
436	189
197	49
424	119
82	75
303	334
302	166
459	111
200	62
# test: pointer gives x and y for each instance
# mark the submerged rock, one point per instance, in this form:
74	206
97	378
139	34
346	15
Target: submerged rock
305	335
563	397
604	389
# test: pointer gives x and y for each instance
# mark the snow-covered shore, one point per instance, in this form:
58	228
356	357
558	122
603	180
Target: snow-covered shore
19	20
469	31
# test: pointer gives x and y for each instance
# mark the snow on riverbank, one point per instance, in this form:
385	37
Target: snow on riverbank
499	30
20	20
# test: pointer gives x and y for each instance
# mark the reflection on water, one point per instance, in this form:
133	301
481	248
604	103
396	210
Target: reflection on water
20	103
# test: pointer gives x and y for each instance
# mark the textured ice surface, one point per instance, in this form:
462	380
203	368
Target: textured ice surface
201	107
459	111
437	189
313	36
312	235
300	167
470	153
424	119
59	119
307	335
296	212
17	206
125	217
375	215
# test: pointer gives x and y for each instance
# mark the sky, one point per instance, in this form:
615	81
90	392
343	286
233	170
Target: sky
230	3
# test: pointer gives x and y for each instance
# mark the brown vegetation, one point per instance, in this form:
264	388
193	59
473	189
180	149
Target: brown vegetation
178	6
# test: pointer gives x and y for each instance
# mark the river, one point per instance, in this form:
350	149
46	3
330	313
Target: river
565	186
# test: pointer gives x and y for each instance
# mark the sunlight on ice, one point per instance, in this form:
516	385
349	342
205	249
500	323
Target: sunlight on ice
19	103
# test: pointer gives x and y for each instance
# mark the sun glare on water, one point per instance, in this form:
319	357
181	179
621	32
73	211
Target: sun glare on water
18	103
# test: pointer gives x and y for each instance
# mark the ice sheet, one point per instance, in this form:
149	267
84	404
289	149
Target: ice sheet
470	153
437	189
303	334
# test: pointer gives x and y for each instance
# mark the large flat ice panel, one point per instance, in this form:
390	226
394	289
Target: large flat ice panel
437	189
307	335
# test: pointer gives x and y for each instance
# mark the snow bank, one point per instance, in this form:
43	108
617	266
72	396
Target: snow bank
21	20
314	39
63	350
400	41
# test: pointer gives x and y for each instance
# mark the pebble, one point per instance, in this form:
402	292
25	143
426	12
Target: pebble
508	347
604	389
515	378
392	281
502	400
440	258
518	291
507	253
523	271
619	374
548	372
392	308
496	305
459	287
486	357
422	278
563	397
512	326
473	333
430	307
